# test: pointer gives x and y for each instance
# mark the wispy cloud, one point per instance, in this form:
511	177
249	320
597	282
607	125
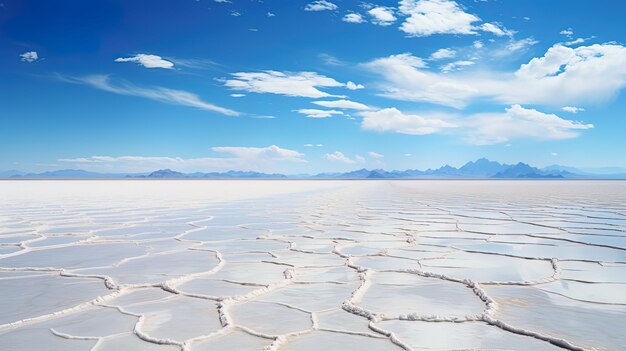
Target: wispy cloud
572	109
236	158
148	61
344	104
171	96
302	84
338	156
315	113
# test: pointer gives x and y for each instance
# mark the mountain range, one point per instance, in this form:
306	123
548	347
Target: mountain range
479	169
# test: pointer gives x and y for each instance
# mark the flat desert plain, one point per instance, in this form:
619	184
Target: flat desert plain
312	265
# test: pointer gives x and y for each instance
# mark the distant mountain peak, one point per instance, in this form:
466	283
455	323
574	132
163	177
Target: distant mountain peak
480	168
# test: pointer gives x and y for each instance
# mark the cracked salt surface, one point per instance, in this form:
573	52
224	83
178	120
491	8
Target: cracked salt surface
312	265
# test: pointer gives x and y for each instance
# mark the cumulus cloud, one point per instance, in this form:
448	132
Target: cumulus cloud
443	54
315	113
338	156
30	56
302	84
344	104
393	120
235	158
353	86
171	96
562	76
572	109
516	122
428	17
148	61
353	18
382	16
320	5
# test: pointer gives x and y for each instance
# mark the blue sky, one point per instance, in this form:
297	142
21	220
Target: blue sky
310	86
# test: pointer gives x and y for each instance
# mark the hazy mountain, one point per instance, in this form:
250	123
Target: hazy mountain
11	173
170	174
559	168
481	168
522	170
69	174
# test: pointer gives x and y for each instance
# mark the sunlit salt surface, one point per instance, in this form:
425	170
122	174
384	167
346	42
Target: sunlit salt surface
312	265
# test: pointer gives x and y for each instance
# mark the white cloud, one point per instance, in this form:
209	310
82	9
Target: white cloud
237	158
353	86
496	29
148	61
575	41
237	95
302	84
456	65
330	60
563	76
554	154
315	113
171	96
443	54
235	14
313	145
345	104
393	120
572	109
517	45
223	1
30	56
320	5
478	44
428	17
338	156
518	123
567	32
271	14
375	155
271	152
382	16
408	155
353	18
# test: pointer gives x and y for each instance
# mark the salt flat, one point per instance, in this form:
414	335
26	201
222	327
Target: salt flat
312	265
